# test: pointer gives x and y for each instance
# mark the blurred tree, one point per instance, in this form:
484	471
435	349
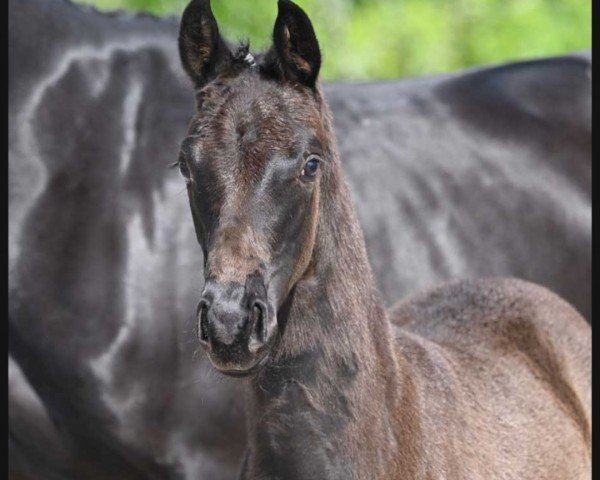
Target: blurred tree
379	39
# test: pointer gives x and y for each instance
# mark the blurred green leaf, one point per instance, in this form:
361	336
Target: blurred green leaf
378	39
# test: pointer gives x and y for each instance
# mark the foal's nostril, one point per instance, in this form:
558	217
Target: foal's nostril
257	317
258	323
203	321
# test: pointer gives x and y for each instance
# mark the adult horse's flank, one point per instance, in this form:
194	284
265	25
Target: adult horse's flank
483	379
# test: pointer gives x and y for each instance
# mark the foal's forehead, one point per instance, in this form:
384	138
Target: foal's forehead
251	113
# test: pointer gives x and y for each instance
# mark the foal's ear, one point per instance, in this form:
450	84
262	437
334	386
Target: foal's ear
204	54
296	44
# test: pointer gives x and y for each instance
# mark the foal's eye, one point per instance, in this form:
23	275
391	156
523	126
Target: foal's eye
183	168
311	166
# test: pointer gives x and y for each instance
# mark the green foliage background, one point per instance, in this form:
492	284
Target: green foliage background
378	39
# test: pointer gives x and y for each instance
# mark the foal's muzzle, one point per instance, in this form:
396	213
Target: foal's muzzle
235	325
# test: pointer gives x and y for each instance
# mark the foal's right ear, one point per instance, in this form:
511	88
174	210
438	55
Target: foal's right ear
204	54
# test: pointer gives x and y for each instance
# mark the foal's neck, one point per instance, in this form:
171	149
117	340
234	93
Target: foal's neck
332	375
335	309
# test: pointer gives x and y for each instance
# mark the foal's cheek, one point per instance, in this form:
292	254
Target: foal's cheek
289	219
287	231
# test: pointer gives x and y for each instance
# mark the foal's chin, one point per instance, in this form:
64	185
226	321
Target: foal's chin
238	370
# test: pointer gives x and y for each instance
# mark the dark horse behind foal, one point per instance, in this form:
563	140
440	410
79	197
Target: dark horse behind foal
478	172
471	380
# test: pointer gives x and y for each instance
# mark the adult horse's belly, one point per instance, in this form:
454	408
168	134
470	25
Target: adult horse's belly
104	267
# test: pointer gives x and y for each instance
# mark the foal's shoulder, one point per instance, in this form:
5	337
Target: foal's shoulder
491	309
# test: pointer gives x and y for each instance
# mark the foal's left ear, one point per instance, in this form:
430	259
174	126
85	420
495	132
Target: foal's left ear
296	44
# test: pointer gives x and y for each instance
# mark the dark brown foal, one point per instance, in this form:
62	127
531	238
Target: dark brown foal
473	380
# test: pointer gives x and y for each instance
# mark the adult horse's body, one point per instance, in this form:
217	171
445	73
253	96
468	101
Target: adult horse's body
103	267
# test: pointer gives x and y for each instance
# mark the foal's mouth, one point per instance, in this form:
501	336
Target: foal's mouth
236	326
242	372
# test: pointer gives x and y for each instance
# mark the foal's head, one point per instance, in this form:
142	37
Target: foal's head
256	154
